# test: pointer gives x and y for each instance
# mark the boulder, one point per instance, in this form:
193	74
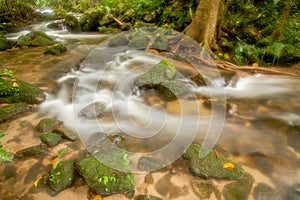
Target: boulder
51	139
33	151
35	38
104	179
207	164
139	40
48	125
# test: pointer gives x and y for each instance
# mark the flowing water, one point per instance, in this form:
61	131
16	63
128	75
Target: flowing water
252	119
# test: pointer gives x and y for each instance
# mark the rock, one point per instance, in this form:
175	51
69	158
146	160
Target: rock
15	91
159	73
103	179
65	133
5	43
149	164
264	192
160	41
139	40
118	40
34	38
8	112
146	197
93	111
56	25
29	152
48	125
72	24
205	163
9	171
172	89
55	49
205	188
62	176
240	189
51	139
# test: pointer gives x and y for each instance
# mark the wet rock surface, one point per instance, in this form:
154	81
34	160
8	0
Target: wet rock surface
205	188
51	139
9	111
48	125
34	38
30	152
264	192
146	197
93	111
65	133
207	164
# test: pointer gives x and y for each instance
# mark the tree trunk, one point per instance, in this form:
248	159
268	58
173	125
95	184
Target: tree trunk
203	27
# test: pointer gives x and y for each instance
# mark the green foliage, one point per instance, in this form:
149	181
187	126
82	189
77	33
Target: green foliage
55	49
4	155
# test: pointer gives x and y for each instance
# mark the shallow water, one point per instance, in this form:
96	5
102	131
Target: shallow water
260	127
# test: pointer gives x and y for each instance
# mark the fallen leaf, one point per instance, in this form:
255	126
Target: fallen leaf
228	166
37	181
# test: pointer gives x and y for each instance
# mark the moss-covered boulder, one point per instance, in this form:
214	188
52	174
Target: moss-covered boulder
104	179
65	133
14	91
51	139
172	89
159	73
62	176
35	38
240	189
33	151
48	125
9	111
139	41
55	49
5	43
118	40
207	164
72	24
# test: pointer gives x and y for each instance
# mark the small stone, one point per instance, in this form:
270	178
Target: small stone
65	133
240	189
93	111
47	125
33	151
205	188
149	164
118	40
264	192
146	197
51	139
62	176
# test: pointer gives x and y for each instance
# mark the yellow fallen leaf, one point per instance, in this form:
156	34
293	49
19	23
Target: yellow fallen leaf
98	197
15	85
228	166
37	181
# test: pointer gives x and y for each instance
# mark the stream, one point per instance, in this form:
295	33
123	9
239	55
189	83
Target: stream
252	119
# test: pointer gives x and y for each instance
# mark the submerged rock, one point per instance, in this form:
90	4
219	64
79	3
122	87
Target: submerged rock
149	164
118	40
65	133
29	152
240	189
47	125
159	73
293	192
139	41
160	41
93	110
51	139
264	192
172	89
62	176
205	163
103	179
8	112
35	38
146	197
204	189
5	43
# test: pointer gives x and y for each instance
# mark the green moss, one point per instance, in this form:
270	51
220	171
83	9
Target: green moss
72	23
205	163
51	139
48	125
5	43
159	73
103	179
55	49
33	151
21	92
62	176
7	112
35	38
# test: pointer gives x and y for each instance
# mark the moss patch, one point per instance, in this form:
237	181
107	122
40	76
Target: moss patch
35	38
5	43
7	112
55	49
205	163
51	139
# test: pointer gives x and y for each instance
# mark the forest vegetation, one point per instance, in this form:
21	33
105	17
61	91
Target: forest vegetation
244	32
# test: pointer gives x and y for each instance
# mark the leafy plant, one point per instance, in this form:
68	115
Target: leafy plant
4	155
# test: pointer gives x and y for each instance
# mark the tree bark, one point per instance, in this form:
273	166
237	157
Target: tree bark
203	26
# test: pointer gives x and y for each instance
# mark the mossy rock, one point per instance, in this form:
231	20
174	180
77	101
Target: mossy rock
205	163
48	125
205	188
160	41
103	179
35	38
159	73
72	24
14	91
62	176
118	40
8	112
5	43
33	151
172	89
55	49
240	189
51	139
65	133
139	41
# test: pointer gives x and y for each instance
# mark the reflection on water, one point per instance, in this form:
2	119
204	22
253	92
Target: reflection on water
261	131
